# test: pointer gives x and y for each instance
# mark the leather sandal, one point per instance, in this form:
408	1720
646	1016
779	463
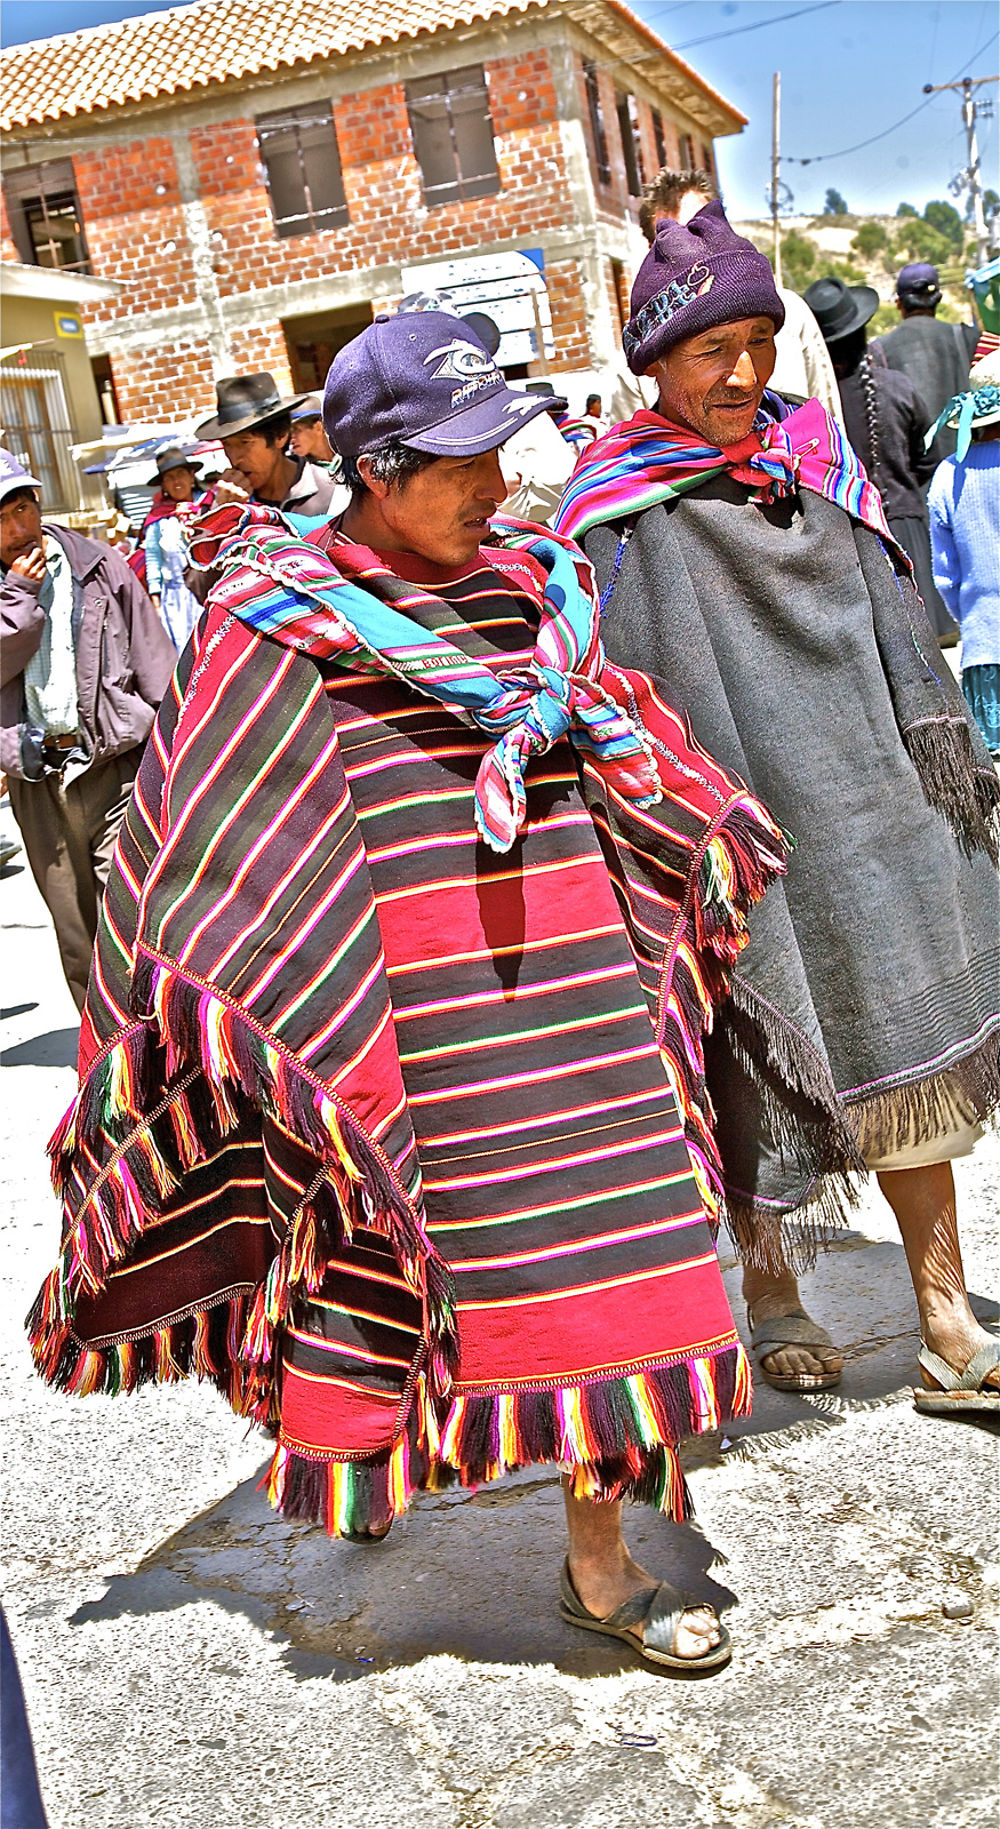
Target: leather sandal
796	1329
658	1610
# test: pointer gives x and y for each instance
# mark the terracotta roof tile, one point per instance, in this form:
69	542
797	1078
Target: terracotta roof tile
192	46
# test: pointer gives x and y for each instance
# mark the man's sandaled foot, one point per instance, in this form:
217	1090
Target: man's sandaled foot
652	1623
973	1391
793	1352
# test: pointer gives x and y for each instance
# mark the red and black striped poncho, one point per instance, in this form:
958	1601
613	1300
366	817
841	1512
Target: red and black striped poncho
402	1144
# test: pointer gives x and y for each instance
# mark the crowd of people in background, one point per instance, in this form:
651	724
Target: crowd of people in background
786	522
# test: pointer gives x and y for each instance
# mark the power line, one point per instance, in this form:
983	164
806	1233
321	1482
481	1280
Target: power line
819	157
758	26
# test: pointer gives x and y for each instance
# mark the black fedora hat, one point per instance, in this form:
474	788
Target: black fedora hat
243	401
171	457
840	309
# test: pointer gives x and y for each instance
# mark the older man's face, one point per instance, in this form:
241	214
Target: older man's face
712	383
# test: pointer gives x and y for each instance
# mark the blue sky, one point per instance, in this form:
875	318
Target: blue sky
850	69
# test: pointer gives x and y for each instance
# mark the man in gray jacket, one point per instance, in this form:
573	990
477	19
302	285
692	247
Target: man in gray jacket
86	661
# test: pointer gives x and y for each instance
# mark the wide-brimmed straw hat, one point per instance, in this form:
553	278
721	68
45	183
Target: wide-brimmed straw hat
245	401
840	310
978	406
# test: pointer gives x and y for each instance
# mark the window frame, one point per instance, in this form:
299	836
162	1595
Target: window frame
294	122
627	110
602	157
470	137
660	138
49	182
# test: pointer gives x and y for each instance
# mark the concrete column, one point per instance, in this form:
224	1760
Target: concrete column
601	332
200	243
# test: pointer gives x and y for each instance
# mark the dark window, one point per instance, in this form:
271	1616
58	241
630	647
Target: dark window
45	217
298	147
686	147
597	123
660	138
452	132
628	127
706	159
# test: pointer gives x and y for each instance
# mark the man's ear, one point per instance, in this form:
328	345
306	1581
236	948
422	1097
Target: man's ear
373	484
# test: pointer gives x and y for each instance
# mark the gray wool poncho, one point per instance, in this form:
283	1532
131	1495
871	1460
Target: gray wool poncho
866	1011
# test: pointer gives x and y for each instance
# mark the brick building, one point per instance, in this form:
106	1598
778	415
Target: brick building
261	177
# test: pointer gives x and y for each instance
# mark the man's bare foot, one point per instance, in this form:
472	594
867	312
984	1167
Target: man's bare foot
773	1298
602	1589
604	1575
957	1343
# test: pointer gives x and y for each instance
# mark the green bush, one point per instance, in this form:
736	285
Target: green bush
869	239
945	219
798	259
886	318
922	241
906	209
834	204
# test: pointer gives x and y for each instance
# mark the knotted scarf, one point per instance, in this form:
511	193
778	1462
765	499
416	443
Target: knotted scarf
980	405
649	460
350	610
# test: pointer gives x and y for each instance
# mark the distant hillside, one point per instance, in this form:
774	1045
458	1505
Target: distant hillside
869	251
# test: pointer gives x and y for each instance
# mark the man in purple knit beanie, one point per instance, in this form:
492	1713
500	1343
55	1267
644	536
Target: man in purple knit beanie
743	555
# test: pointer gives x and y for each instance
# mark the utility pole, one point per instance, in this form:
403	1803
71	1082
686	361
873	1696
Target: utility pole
775	168
972	176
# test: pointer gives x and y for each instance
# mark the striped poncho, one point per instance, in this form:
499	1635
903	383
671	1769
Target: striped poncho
401	1141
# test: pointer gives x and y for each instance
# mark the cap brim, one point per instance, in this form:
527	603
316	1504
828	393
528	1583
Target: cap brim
13	483
482	427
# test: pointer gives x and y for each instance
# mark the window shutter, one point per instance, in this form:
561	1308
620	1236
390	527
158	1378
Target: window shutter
452	132
299	151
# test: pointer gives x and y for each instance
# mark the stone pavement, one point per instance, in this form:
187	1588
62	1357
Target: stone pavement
192	1662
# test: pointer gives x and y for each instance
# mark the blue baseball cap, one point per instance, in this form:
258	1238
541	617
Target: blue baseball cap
425	378
14	476
919	283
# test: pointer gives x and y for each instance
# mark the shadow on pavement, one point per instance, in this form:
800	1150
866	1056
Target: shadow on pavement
58	1048
472	1575
475	1575
16	1009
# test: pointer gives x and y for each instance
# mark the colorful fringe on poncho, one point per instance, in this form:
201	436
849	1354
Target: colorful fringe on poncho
398	1138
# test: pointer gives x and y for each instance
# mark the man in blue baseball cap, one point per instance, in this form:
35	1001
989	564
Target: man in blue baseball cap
408	860
934	354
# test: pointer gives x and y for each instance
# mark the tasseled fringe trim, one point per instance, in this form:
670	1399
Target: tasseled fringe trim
744	856
803	1115
778	1240
964	790
966	1093
685	1017
214	1061
204	1345
617	1439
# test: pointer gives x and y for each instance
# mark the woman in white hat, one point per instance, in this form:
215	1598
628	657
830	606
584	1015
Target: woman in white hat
964	503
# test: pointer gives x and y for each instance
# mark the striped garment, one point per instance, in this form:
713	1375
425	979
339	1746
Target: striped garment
649	460
401	1143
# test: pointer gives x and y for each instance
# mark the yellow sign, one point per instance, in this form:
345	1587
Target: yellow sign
67	324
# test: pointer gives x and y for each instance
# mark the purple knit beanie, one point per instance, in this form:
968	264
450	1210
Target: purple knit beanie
695	276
